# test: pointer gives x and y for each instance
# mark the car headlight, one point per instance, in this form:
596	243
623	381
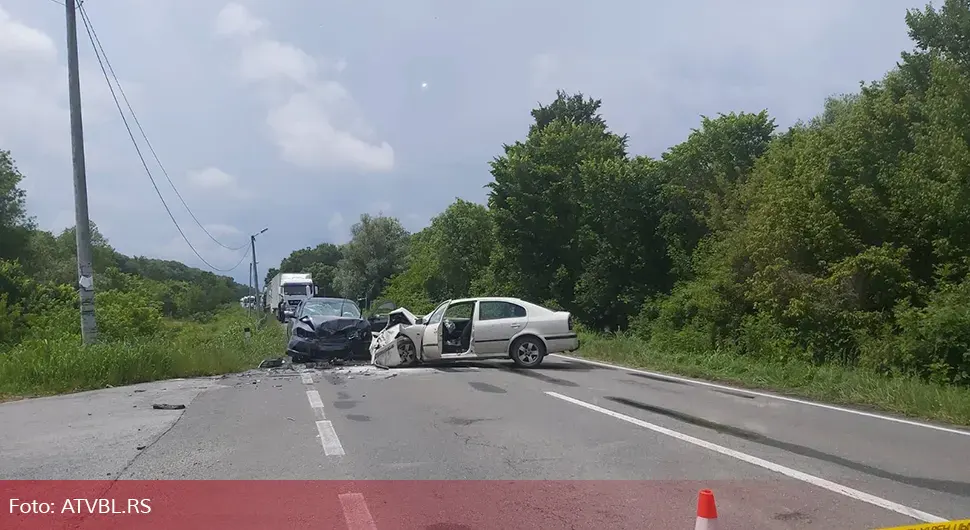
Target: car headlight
300	332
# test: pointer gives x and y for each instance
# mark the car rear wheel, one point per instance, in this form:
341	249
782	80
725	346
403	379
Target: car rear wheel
528	352
409	354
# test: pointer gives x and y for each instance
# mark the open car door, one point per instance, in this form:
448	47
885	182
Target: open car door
432	341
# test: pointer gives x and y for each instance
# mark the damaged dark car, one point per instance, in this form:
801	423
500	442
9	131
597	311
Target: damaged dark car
327	329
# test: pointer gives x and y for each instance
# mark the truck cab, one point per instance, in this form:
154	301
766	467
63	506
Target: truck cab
286	291
293	294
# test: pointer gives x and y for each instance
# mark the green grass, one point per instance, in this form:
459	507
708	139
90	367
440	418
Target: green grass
828	383
180	349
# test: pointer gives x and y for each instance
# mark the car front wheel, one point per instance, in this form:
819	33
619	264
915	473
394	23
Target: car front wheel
409	354
528	352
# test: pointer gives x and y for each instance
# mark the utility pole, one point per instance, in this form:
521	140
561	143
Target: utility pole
251	291
252	241
82	225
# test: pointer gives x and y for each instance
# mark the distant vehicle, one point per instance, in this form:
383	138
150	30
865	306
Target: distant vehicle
286	291
475	328
247	302
327	328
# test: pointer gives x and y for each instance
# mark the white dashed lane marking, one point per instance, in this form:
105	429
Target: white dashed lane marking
316	404
356	513
328	438
326	433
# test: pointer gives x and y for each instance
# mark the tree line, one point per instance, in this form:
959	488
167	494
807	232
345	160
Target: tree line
841	239
38	278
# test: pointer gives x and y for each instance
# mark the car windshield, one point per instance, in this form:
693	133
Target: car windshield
331	307
294	289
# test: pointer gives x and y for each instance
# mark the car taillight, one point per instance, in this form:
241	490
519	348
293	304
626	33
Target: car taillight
569	322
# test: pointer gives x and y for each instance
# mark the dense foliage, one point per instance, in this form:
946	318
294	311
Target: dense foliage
844	239
38	272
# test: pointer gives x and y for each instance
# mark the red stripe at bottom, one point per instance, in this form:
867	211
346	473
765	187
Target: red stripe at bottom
386	505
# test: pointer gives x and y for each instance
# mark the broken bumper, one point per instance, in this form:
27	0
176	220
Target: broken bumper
384	349
339	348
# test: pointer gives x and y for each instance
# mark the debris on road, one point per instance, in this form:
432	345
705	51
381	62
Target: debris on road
166	406
271	363
138	390
140	447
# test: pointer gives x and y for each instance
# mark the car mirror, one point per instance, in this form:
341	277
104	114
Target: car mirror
306	320
419	320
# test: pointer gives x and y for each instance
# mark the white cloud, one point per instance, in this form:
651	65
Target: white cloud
316	123
215	180
30	108
270	60
23	44
236	20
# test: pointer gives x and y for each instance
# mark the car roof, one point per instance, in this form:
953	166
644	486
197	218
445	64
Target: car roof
332	298
491	299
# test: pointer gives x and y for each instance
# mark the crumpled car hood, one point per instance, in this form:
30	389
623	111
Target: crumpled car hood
402	314
324	325
382	338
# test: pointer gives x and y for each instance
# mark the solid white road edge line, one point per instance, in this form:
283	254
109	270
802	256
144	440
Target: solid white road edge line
328	438
771	466
307	379
766	395
356	513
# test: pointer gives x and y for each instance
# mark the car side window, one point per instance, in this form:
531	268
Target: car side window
436	316
460	311
493	310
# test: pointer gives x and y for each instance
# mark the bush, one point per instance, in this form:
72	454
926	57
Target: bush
175	349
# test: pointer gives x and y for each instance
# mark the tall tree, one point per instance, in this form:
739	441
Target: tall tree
446	257
376	251
15	225
537	193
623	254
701	177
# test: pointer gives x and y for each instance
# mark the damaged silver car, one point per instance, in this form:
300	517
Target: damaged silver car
475	328
327	329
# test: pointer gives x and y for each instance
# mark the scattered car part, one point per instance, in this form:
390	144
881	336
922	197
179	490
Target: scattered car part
271	363
166	406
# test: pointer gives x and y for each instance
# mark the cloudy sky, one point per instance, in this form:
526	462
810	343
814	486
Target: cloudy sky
300	115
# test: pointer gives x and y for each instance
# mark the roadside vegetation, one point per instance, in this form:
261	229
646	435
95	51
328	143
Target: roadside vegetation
830	259
157	319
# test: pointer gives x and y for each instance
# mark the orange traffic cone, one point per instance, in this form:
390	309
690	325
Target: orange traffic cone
706	511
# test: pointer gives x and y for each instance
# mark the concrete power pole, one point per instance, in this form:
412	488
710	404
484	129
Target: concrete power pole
82	228
252	241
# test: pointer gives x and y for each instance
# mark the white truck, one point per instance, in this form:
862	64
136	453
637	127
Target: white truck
286	290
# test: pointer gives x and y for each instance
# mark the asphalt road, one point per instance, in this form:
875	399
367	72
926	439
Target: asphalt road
772	462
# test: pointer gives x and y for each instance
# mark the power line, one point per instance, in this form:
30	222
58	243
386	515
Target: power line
97	42
97	53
